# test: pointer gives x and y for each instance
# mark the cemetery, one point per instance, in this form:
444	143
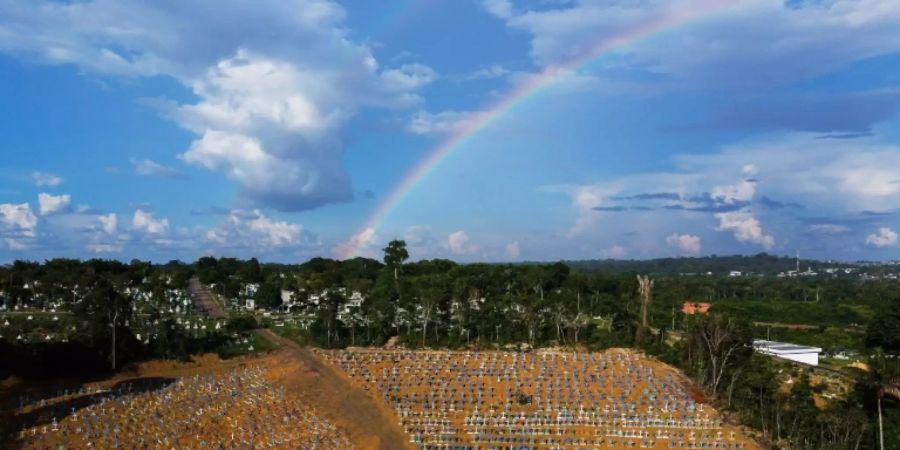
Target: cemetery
545	399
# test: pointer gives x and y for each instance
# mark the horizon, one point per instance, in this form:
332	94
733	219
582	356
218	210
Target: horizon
525	262
477	131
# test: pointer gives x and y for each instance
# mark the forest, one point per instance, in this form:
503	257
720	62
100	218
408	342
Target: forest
115	313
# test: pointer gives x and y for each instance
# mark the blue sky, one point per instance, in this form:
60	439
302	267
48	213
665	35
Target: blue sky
164	130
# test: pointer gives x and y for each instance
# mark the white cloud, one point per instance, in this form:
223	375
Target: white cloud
458	243
746	41
686	243
274	233
742	191
408	77
831	177
105	248
512	250
253	229
18	218
854	175
15	244
487	73
51	204
42	179
108	223
444	122
499	8
144	221
365	243
745	227
274	83
828	228
148	168
885	237
584	199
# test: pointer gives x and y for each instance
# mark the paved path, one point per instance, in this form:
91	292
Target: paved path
370	423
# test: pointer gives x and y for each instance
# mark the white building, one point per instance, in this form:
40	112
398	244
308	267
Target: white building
791	352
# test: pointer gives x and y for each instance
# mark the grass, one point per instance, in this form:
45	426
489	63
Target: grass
292	332
255	344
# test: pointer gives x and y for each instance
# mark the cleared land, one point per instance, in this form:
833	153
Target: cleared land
288	399
383	399
545	399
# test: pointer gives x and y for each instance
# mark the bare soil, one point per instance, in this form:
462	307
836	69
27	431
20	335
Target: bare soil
370	423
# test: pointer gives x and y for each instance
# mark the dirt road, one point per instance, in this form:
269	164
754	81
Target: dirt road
371	424
205	301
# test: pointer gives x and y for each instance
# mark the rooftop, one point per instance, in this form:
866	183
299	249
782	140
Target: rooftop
776	347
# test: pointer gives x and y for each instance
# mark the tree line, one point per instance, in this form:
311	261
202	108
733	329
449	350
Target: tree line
439	303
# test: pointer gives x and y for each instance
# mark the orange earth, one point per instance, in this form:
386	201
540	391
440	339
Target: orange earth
380	399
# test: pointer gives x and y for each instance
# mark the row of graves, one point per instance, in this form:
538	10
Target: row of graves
150	315
242	408
545	399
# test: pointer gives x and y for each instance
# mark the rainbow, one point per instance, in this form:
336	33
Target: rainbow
531	86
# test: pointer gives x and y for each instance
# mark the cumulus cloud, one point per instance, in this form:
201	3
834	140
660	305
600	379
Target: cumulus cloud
148	168
745	227
585	199
853	175
269	111
18	217
512	250
743	191
750	42
686	243
51	204
884	237
144	221
42	179
108	223
364	243
254	229
780	177
458	243
18	224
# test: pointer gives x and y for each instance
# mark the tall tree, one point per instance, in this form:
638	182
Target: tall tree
106	310
395	254
645	287
882	380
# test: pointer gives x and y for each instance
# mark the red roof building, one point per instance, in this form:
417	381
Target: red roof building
695	308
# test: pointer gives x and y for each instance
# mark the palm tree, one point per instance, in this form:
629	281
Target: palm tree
882	380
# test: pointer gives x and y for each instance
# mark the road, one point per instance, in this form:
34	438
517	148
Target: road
204	300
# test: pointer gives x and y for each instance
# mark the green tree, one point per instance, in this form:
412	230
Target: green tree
884	330
107	311
269	293
395	254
